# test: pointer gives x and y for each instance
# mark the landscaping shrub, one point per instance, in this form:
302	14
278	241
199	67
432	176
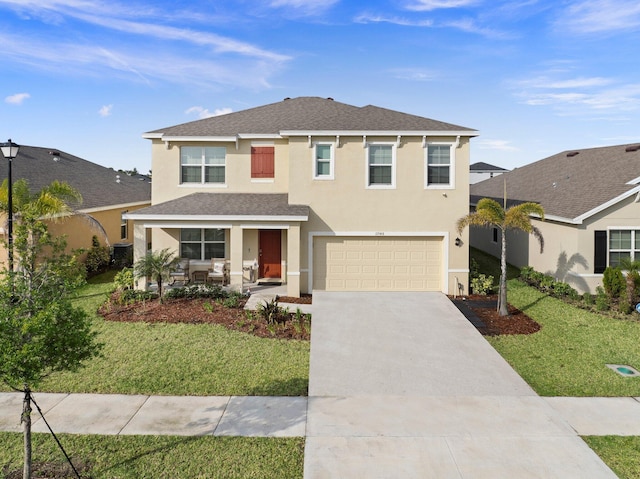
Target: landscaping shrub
588	299
272	312
602	299
135	295
564	290
98	257
124	279
613	282
196	291
482	284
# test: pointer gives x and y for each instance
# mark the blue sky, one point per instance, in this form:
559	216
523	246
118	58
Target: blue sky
534	77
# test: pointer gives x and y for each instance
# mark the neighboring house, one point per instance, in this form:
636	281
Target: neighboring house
319	194
592	213
107	194
481	171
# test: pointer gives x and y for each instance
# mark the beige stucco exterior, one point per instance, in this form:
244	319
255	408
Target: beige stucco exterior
343	206
568	245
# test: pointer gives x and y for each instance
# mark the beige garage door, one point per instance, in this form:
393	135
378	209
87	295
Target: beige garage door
377	264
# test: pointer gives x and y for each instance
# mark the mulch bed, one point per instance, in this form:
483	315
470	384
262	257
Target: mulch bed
485	309
202	311
50	470
303	299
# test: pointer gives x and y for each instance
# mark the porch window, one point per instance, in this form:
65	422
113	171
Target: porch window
381	166
323	162
623	244
202	243
438	166
202	164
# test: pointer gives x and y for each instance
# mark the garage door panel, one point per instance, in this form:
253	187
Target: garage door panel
377	264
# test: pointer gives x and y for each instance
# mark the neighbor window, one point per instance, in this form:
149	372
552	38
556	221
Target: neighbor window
198	243
323	161
438	166
381	166
123	226
202	164
262	162
495	235
623	244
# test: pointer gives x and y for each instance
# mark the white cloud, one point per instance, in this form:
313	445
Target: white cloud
405	22
600	16
413	74
305	7
502	145
17	99
428	5
105	110
205	113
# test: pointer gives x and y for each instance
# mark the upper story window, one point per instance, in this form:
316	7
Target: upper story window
323	161
202	164
439	167
381	166
262	162
199	243
124	230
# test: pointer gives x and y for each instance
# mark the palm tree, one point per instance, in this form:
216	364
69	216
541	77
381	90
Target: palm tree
489	213
156	265
632	268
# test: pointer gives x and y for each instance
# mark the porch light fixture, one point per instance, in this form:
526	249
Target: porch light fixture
458	242
10	151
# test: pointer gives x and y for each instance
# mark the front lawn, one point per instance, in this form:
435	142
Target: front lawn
182	359
163	456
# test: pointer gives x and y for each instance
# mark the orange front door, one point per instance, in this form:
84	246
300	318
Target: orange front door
270	254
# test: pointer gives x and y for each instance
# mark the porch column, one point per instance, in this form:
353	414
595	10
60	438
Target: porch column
235	257
293	261
139	250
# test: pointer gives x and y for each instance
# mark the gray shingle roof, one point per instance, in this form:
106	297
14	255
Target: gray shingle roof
307	114
96	183
480	166
226	204
568	184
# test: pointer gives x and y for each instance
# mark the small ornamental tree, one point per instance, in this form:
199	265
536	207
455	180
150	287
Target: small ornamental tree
41	332
156	265
489	213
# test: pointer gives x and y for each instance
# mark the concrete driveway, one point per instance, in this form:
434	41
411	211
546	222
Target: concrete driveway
403	386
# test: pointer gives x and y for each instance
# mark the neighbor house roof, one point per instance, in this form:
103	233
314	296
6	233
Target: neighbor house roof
225	206
481	167
98	185
308	114
572	185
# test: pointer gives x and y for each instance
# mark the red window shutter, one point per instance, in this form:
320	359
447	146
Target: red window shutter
262	162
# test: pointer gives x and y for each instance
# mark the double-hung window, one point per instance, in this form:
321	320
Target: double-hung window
202	243
439	167
124	230
323	161
623	244
381	166
202	164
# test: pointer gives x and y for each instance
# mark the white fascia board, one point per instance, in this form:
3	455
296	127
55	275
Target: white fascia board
469	133
608	204
259	136
226	138
560	219
114	207
182	218
152	136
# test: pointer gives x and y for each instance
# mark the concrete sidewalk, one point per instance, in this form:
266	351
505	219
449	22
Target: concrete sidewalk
112	414
402	385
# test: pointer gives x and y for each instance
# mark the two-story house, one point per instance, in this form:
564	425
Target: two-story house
320	194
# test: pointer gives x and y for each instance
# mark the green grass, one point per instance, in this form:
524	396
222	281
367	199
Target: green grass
490	265
567	356
620	453
165	457
182	359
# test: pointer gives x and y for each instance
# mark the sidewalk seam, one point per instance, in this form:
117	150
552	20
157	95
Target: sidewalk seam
133	415
226	406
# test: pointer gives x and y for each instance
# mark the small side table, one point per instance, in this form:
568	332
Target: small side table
199	276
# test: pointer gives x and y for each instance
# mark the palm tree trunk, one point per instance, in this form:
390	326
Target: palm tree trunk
503	310
26	420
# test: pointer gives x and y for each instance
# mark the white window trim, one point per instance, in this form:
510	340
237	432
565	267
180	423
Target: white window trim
632	251
202	165
452	166
203	242
314	160
392	186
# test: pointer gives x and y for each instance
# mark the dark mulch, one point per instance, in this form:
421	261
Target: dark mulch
303	299
199	311
50	470
484	307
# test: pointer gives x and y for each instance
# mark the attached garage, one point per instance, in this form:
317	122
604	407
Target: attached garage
377	263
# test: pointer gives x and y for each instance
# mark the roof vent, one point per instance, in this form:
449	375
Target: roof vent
573	153
329	98
632	148
55	154
288	98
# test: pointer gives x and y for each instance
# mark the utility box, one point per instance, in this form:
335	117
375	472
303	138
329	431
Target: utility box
122	255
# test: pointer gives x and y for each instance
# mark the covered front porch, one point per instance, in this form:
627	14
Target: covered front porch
256	236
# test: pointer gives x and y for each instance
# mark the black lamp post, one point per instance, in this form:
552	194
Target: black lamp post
10	151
